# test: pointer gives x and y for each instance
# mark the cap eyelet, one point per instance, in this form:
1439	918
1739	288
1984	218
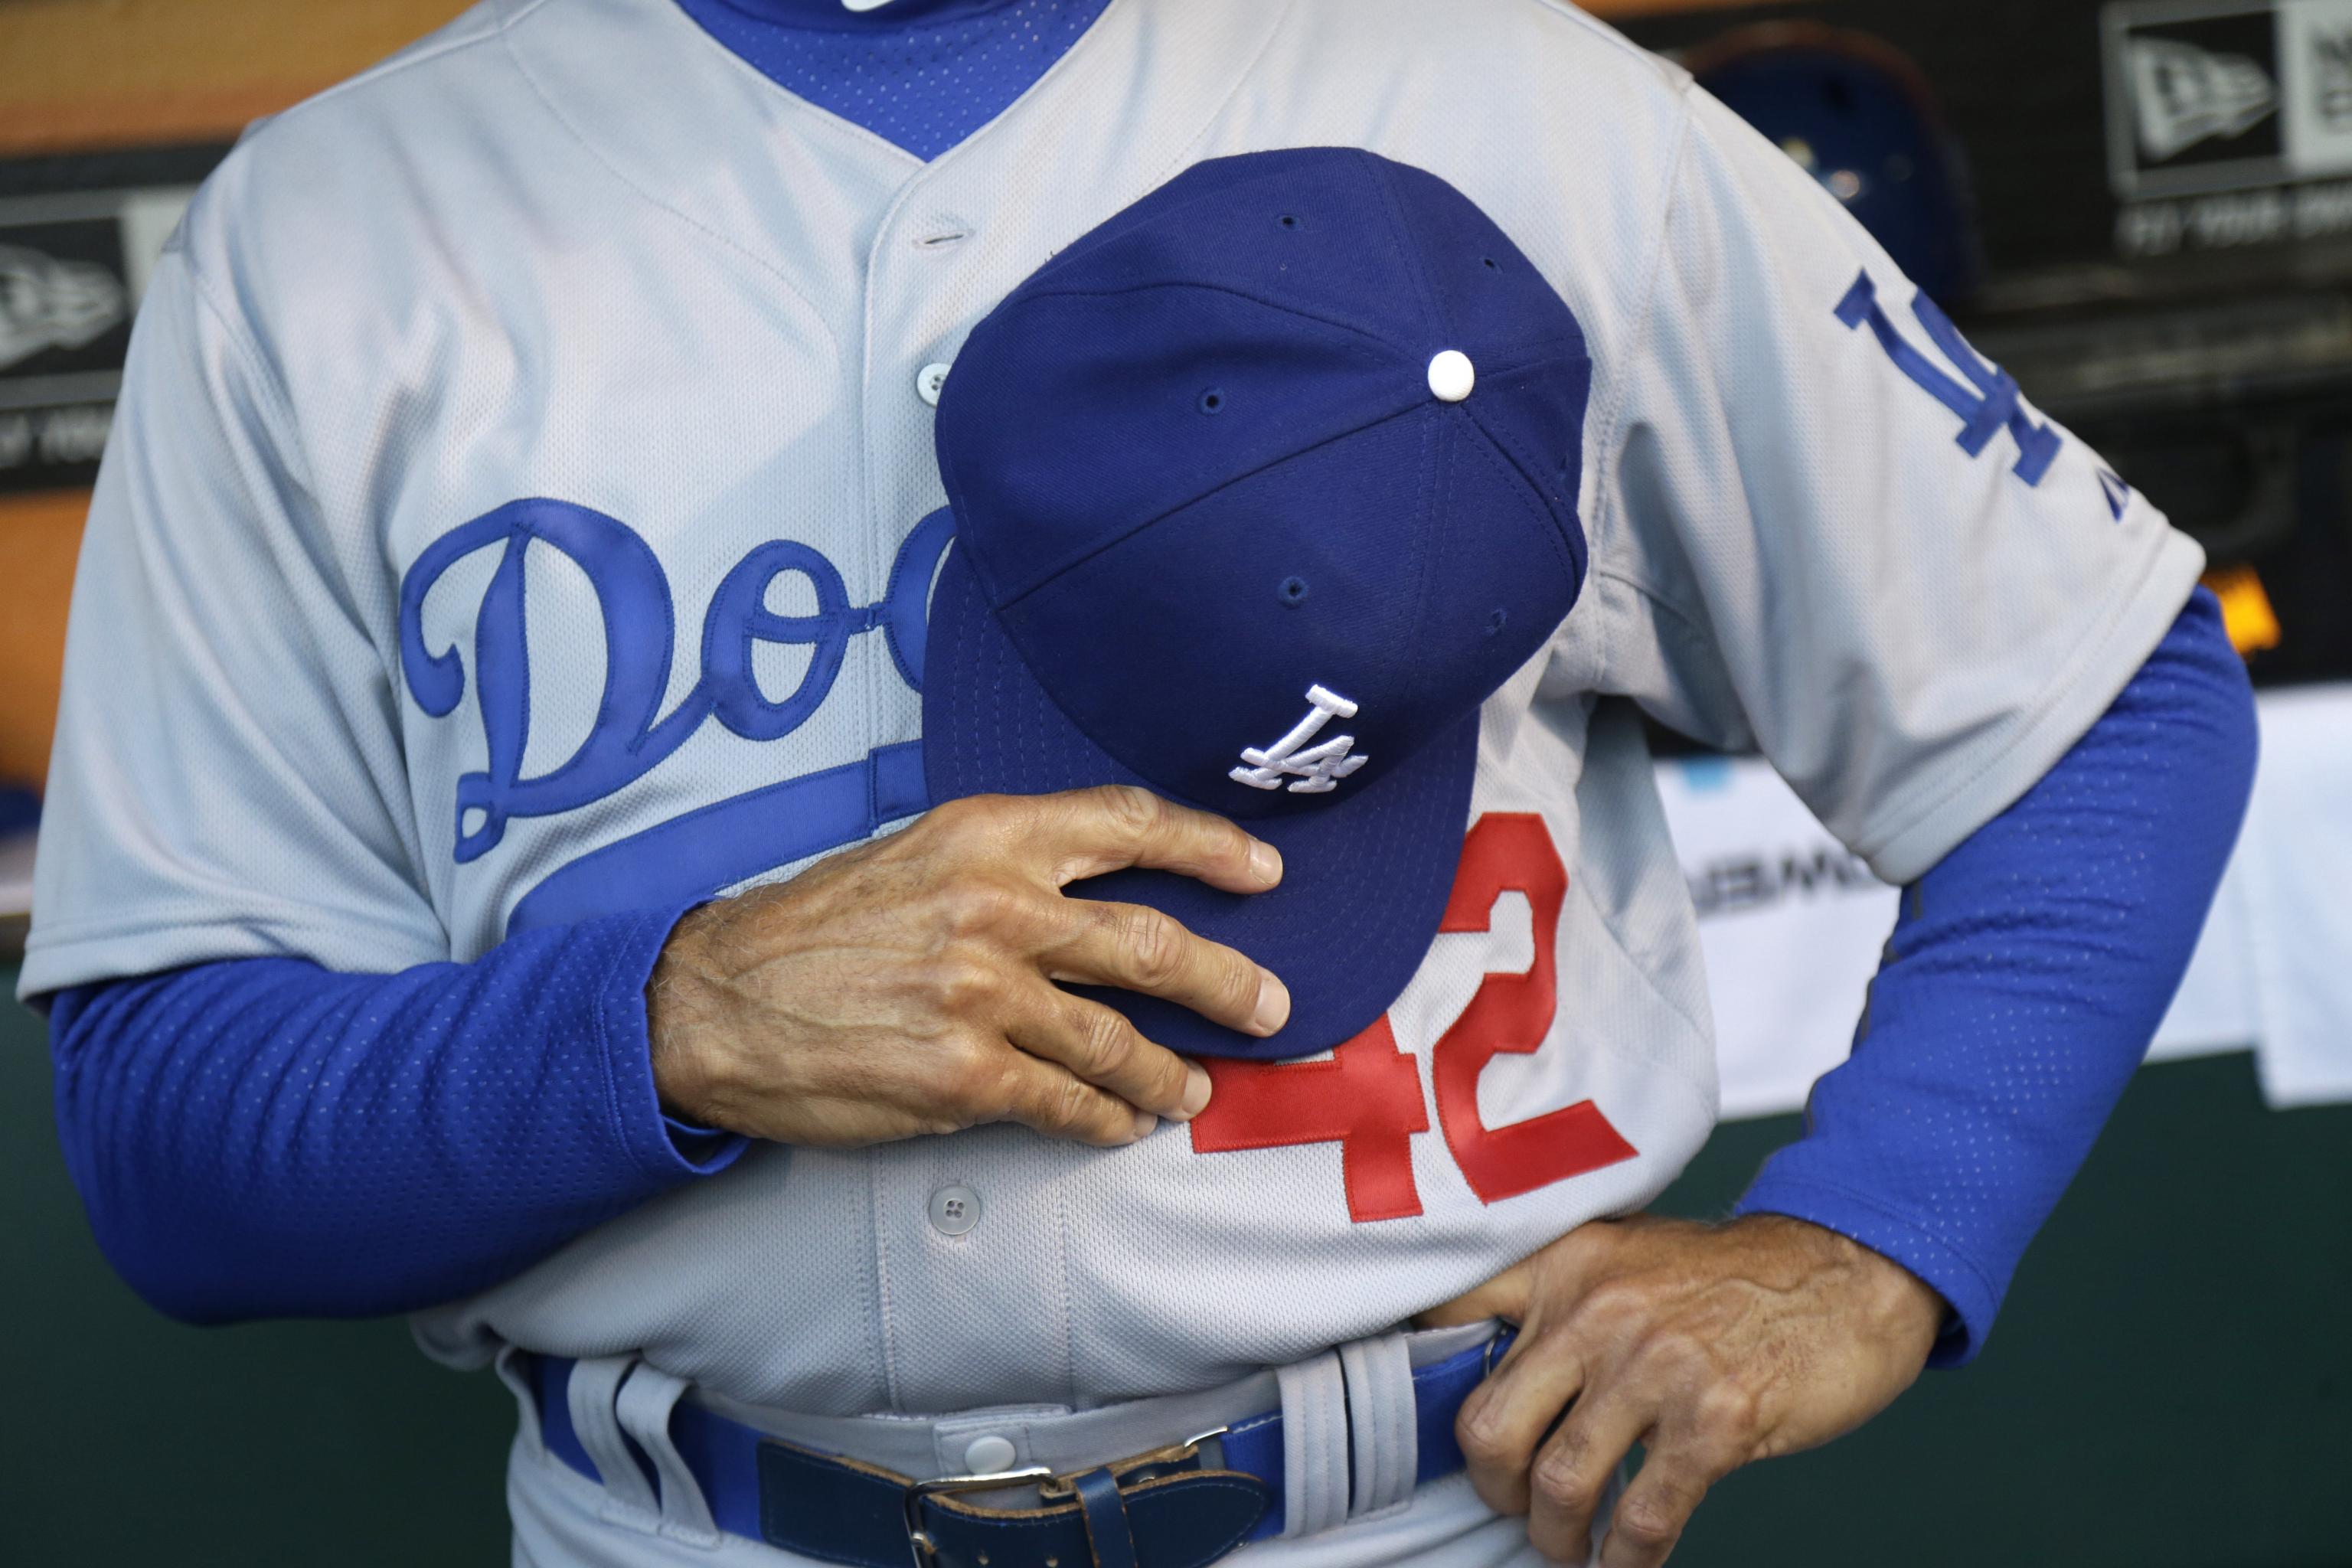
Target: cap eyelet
1290	220
1293	591
1213	401
1496	622
1491	264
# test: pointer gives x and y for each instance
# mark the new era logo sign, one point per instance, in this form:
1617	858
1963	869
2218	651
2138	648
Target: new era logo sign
2183	95
2217	95
49	303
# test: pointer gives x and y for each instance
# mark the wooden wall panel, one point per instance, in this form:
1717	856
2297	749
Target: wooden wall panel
39	535
79	74
83	74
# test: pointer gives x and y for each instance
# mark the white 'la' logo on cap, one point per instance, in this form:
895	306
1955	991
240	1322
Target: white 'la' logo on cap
1318	771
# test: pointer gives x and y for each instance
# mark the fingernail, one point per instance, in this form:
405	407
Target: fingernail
1273	1003
1196	1092
1265	863
1146	1124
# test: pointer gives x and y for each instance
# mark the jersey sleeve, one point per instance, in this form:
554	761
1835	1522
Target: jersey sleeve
226	781
1826	529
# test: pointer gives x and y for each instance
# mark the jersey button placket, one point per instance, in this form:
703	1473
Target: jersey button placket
955	1211
938	237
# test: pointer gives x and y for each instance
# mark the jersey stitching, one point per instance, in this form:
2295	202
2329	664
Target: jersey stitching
51	937
824	118
2025	722
1600	30
884	1343
290	450
400	815
563	122
1183	158
1069	1308
870	487
1694	626
1705	1031
466	35
258	365
1610	429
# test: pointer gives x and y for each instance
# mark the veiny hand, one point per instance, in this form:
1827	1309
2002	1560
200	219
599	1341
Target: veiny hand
907	986
1714	1346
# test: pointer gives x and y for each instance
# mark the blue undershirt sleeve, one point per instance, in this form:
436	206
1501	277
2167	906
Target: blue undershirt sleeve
267	1138
2025	978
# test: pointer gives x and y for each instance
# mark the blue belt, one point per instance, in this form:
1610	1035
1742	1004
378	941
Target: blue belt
1167	1509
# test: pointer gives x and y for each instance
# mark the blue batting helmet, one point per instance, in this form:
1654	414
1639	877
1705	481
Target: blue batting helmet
1859	115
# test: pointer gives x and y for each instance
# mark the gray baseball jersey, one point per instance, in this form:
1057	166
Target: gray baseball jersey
575	251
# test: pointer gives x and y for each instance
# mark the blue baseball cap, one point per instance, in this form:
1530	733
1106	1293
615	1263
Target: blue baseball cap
1260	489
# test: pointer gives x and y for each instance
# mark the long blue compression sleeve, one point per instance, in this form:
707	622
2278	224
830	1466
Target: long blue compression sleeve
263	1138
2027	974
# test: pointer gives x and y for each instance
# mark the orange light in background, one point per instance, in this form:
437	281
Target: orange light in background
88	74
39	537
2246	611
80	76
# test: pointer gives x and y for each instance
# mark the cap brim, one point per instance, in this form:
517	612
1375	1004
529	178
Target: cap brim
1365	880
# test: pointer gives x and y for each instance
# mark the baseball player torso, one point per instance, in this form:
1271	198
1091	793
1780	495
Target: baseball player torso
611	367
704	333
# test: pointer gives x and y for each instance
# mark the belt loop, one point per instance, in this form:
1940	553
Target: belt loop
628	1495
1314	1445
1108	1536
644	1405
1383	1422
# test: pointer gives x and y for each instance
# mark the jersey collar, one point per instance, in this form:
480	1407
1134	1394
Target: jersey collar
695	130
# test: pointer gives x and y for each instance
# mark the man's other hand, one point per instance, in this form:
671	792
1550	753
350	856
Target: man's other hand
1714	1346
908	986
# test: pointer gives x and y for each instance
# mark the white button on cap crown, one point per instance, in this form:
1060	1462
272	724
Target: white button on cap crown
989	1455
927	383
1452	375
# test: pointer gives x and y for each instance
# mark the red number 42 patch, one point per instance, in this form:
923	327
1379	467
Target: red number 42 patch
1366	1099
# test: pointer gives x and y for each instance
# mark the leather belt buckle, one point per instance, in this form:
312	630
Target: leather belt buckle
1173	1459
918	1540
1052	1489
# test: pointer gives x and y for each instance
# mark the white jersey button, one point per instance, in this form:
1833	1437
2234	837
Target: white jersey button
954	1210
929	381
989	1455
1452	376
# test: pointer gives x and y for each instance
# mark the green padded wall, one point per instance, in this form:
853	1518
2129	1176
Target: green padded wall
2171	1386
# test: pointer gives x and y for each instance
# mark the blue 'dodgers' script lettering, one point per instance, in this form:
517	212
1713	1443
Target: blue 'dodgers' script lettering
719	845
1987	404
